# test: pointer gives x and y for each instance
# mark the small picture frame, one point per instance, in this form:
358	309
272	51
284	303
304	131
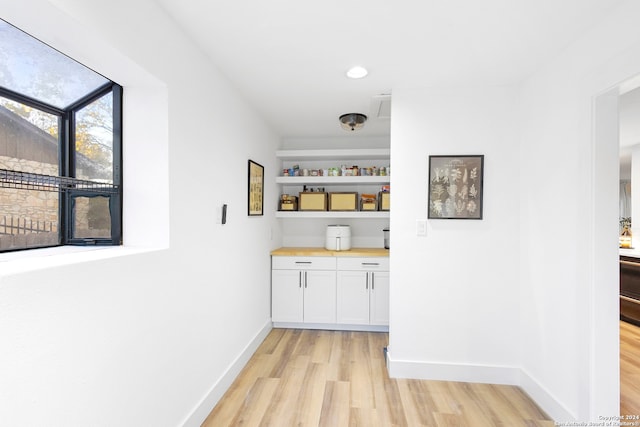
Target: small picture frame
455	187
256	189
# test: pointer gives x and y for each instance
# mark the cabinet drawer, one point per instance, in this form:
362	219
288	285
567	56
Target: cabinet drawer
303	263
364	264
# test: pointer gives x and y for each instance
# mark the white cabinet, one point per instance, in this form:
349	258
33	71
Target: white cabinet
379	298
363	291
347	293
287	296
322	159
303	289
319	297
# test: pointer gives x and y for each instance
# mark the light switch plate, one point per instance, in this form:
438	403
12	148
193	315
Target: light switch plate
421	227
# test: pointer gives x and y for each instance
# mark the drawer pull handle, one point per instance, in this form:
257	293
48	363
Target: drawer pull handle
370	263
304	262
630	264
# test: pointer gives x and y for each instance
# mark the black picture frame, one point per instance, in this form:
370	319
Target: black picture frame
256	189
456	187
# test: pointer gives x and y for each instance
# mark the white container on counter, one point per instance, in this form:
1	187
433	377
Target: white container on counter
338	238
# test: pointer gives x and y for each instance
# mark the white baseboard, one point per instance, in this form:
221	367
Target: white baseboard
481	374
545	400
202	410
452	372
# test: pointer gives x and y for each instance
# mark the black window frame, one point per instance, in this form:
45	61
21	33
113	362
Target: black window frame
67	164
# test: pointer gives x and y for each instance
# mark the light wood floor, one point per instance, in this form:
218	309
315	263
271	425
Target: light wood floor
629	369
332	378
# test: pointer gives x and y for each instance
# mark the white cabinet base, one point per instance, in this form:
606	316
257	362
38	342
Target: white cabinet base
332	326
332	293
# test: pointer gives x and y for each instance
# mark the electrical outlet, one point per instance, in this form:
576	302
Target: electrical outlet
219	215
421	227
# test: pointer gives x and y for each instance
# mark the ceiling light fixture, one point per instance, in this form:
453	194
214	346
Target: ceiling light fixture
352	121
357	72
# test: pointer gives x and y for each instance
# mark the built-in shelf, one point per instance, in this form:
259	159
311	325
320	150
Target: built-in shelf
323	214
317	158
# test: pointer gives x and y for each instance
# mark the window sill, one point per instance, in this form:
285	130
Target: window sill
12	263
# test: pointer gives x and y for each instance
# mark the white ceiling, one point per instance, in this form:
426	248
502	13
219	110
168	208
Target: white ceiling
288	57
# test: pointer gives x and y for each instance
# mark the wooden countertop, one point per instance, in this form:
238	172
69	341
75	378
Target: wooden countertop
363	252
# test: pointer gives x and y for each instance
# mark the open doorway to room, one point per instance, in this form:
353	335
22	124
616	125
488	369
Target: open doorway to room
629	140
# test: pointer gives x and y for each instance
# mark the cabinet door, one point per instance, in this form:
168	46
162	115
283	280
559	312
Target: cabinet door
319	296
286	295
379	297
353	297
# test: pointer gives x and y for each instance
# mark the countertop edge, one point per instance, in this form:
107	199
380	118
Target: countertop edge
633	253
353	252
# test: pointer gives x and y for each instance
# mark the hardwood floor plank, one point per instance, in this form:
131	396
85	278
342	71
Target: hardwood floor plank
272	341
335	404
443	401
284	407
311	396
417	403
322	347
258	366
344	361
361	378
472	408
284	350
256	403
521	402
448	420
392	403
363	417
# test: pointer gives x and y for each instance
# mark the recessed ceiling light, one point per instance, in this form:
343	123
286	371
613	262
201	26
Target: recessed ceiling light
357	72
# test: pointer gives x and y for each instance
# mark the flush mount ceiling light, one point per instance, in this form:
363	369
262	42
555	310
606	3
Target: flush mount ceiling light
357	72
352	121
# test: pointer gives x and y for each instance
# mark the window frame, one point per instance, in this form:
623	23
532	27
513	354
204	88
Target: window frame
67	163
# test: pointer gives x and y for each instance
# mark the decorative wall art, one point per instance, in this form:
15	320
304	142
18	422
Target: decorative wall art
455	187
256	188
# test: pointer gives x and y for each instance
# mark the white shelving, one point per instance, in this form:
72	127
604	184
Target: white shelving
334	158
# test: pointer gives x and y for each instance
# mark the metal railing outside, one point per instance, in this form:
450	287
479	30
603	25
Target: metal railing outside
34	181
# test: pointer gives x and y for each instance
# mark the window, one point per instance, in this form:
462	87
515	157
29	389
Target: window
60	148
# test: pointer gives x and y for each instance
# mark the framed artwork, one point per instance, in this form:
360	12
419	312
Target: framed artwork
256	188
455	187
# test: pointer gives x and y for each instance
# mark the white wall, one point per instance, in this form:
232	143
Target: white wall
569	253
142	339
545	308
454	293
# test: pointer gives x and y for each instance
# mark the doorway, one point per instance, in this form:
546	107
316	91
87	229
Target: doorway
629	143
